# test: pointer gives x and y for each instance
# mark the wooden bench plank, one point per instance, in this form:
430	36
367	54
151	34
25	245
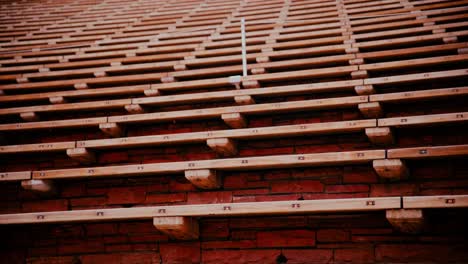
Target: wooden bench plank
428	152
84	122
269	91
418	95
423	120
15	176
429	50
245	109
199	210
39	147
149	77
320	159
241	134
323	72
87	93
414	63
85	106
408	78
438	201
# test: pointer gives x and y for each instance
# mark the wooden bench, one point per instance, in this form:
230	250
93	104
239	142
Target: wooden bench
70	123
390	43
342	102
394	166
61	97
380	134
317	159
85	106
416	77
411	219
424	62
84	83
180	222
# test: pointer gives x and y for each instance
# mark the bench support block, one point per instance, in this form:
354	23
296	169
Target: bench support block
168	79
57	100
234	120
364	89
250	84
244	99
178	227
82	155
152	92
380	135
204	179
406	220
223	146
371	110
42	187
392	169
359	74
112	129
81	86
29	117
135	109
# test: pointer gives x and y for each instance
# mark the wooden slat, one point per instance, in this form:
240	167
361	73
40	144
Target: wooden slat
428	152
40	147
85	122
427	120
245	109
324	72
341	102
195	210
88	93
247	133
270	91
413	63
85	106
418	95
15	176
408	78
440	201
114	80
428	50
321	159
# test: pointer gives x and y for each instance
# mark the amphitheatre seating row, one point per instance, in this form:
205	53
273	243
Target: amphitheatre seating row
341	102
388	164
271	91
220	82
441	28
370	106
369	126
181	221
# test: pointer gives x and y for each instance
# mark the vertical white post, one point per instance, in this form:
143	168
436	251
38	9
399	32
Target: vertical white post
244	50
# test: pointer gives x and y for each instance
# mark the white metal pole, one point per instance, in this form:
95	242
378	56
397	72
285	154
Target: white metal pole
244	50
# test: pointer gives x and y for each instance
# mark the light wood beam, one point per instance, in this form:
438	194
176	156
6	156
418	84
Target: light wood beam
406	220
381	136
392	169
204	179
178	227
81	155
223	146
112	129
